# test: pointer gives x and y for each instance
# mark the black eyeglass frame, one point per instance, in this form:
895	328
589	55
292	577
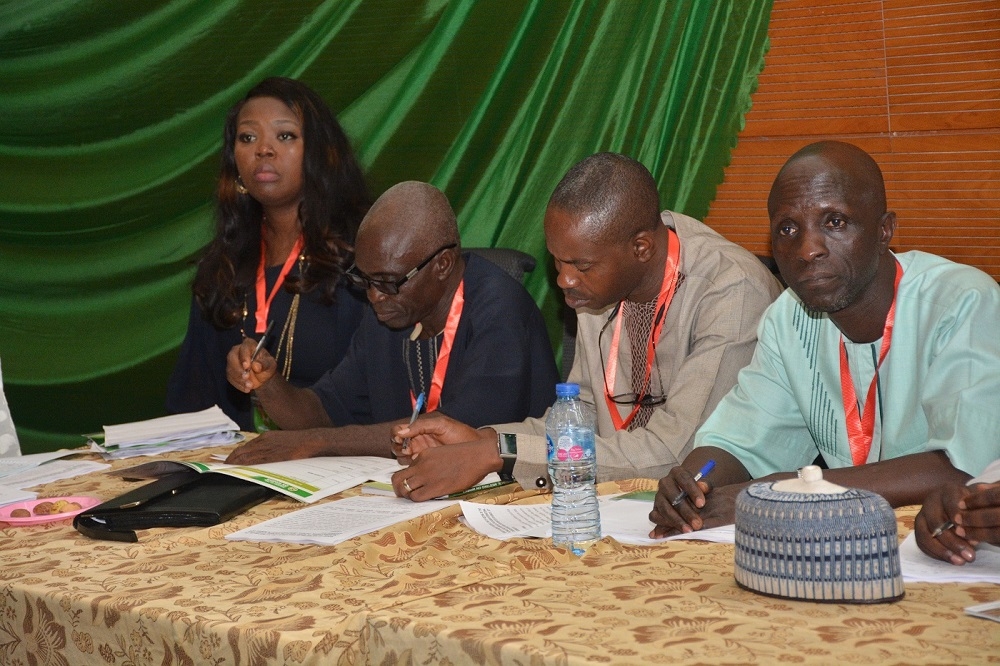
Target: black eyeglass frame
633	399
390	287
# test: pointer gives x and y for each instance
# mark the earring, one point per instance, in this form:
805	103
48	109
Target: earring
240	187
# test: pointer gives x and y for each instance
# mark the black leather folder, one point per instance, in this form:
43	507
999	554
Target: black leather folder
180	499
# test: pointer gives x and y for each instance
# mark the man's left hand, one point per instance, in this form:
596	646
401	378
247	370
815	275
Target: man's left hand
444	470
277	445
979	514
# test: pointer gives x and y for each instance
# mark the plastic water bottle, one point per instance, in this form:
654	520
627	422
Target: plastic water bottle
569	428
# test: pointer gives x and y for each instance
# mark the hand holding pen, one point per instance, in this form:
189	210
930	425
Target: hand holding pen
671	514
260	343
417	406
240	363
702	473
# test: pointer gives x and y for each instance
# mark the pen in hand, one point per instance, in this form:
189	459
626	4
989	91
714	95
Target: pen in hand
260	343
417	406
702	473
942	528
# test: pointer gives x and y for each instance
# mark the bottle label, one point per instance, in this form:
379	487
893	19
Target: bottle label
571	446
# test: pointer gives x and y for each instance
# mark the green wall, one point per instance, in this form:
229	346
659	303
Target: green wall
112	115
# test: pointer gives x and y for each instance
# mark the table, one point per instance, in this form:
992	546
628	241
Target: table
432	591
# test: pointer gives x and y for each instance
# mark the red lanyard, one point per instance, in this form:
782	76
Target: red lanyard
441	366
860	429
264	304
671	271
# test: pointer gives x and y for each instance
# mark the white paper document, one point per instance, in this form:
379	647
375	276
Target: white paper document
334	522
178	432
52	471
306	480
10	495
625	520
171	446
309	479
920	568
176	426
508	521
628	521
18	464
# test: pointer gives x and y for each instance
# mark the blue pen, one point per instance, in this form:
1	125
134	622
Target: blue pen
702	473
413	418
417	406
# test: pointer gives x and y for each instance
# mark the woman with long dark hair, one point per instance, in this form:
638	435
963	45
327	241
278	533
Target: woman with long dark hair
289	199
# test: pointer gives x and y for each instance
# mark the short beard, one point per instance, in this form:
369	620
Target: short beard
836	306
844	301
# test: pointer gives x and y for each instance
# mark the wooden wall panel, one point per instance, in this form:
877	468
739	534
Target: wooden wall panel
916	84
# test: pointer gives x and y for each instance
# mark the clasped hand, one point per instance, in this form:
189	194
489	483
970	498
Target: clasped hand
442	455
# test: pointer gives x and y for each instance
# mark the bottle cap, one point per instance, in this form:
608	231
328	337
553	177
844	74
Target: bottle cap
810	481
567	390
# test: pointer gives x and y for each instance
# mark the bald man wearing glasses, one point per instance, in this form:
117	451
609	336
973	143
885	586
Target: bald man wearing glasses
667	313
451	326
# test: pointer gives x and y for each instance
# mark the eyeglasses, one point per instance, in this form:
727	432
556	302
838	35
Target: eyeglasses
643	399
390	287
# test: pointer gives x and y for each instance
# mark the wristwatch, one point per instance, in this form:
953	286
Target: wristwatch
507	448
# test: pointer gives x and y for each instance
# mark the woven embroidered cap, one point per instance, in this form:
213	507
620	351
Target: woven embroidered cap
807	538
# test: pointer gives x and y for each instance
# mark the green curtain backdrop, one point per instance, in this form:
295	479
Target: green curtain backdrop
112	114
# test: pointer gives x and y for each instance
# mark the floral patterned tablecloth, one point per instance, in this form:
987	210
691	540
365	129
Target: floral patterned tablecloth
432	591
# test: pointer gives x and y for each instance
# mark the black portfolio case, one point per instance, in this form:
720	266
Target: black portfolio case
180	499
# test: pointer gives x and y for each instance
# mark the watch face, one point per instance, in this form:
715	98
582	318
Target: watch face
508	444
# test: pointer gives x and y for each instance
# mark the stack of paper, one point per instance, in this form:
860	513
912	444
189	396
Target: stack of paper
180	432
31	470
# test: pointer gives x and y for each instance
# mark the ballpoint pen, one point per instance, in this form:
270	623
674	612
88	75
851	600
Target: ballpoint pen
417	406
702	473
260	343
